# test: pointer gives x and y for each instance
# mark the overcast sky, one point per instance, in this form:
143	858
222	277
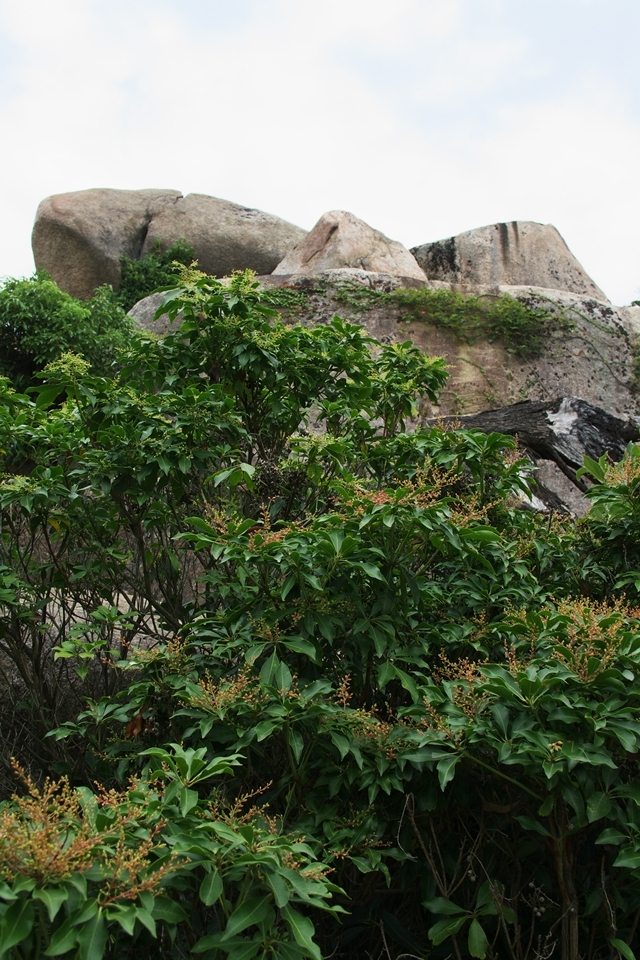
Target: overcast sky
422	117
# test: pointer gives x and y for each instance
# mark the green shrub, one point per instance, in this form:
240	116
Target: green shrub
522	329
158	269
39	322
85	873
321	693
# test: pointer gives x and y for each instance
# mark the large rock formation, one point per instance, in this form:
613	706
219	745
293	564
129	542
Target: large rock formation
590	348
519	253
589	352
224	235
79	237
341	241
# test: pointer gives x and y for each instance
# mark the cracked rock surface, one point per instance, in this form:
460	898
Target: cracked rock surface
514	253
79	237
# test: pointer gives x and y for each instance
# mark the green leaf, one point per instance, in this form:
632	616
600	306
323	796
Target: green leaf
288	950
280	889
612	836
481	534
6	893
265	728
446	769
268	670
547	806
188	800
202	526
245	951
146	919
595	468
249	913
386	672
478	942
296	742
530	824
164	908
341	743
300	645
372	571
442	905
237	947
303	930
509	914
64	938
409	684
288	586
211	888
623	949
598	806
46	395
628	858
445	928
16	924
282	678
21	884
125	916
484	897
92	938
53	898
501	716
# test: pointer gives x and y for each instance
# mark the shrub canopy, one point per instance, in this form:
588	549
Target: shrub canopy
306	683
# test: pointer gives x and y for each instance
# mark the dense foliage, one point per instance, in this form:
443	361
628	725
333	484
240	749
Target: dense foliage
39	322
285	680
160	268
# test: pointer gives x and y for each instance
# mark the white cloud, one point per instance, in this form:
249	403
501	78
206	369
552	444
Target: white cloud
410	115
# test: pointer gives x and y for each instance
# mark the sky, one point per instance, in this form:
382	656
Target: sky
422	117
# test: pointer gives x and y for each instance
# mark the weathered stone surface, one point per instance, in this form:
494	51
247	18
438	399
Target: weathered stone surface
341	241
79	237
563	430
224	235
630	320
520	253
558	433
590	354
555	490
382	282
144	313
